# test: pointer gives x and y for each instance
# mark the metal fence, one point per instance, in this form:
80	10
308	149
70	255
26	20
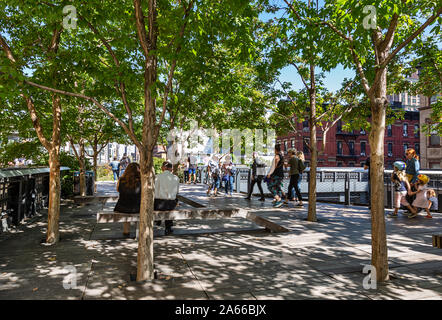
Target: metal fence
338	185
23	193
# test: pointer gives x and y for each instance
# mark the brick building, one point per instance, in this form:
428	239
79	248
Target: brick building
351	149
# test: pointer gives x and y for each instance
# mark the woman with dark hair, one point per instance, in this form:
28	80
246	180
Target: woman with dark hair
129	187
275	176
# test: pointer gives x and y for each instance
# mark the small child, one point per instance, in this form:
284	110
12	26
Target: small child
433	205
421	201
401	188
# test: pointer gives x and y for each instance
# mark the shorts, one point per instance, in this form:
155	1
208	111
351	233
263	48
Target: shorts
399	199
192	171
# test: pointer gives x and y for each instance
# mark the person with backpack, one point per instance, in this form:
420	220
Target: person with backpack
115	166
214	172
192	161
257	175
296	167
124	162
401	188
228	175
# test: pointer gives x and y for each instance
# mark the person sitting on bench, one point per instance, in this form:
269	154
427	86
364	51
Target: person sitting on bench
129	187
166	190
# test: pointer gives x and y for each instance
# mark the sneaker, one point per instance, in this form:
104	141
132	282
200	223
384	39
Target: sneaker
278	204
286	202
262	199
299	205
390	215
413	215
247	198
429	217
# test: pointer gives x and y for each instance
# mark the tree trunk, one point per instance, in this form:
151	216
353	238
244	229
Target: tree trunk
52	235
95	157
82	161
378	103
313	148
145	269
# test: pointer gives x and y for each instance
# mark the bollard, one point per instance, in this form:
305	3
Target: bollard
347	189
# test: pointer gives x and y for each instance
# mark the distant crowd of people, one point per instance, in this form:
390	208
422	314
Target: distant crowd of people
119	166
410	187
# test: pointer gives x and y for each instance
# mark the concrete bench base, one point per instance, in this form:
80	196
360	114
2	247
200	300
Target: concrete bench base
187	214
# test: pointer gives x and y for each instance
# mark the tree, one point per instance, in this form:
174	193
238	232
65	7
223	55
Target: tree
159	43
19	24
369	47
298	42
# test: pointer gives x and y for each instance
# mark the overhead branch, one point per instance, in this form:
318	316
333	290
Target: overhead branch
99	105
411	37
141	27
174	62
36	122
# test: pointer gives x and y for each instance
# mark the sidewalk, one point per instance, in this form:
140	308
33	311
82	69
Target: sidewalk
224	259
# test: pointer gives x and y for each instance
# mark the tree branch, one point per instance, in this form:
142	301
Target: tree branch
141	27
99	105
411	37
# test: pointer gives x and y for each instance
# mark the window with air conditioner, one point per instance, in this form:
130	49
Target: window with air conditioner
405	127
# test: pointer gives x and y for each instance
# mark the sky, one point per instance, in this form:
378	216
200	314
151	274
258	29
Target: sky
332	79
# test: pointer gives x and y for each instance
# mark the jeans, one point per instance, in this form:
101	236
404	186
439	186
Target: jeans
229	184
116	174
294	183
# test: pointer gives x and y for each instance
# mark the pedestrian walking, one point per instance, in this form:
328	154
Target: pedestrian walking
115	166
124	162
256	176
228	170
275	176
295	165
214	172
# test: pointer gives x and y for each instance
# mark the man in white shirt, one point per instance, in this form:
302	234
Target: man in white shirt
166	190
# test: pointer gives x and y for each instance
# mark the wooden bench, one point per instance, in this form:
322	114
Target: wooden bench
187	214
103	198
437	241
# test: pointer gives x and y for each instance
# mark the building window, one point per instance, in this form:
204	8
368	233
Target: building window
305	126
434	140
339	164
362	132
285	146
351	147
305	146
351	164
363	148
339	147
405	147
416	148
416	131
389	130
339	128
405	127
292	143
390	149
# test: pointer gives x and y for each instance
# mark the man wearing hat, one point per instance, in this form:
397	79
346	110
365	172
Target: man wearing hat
166	190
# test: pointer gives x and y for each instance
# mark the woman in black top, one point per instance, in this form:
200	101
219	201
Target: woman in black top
275	176
129	187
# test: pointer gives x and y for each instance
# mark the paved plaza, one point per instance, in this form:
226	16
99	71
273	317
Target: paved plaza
222	259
